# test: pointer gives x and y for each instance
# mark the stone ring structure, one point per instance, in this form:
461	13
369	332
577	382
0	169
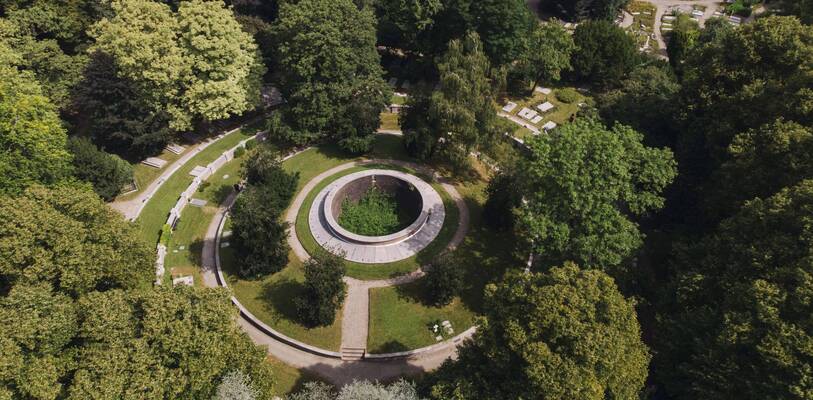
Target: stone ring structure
421	201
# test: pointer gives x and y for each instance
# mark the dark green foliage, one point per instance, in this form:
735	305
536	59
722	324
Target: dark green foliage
239	152
259	234
329	71
445	279
567	95
504	26
564	334
681	40
67	237
548	53
119	120
107	173
581	208
604	54
460	116
503	197
357	144
736	319
375	214
648	101
400	23
574	10
324	289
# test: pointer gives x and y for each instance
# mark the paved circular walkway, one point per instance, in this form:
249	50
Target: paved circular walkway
356	306
386	249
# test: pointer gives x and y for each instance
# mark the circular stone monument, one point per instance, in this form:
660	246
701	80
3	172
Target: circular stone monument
418	199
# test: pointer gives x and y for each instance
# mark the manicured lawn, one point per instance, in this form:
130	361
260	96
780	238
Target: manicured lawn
155	213
399	321
186	244
271	299
380	271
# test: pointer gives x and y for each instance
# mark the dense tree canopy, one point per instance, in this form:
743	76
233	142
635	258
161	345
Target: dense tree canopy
504	27
31	134
604	54
737	321
564	334
550	48
582	182
329	70
324	289
260	236
399	390
583	9
68	238
647	101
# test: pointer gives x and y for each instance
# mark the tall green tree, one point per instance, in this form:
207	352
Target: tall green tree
604	54
681	40
68	237
324	290
564	334
460	116
582	185
118	118
197	64
107	173
329	70
260	236
761	161
577	10
504	27
647	101
735	320
401	22
31	134
550	48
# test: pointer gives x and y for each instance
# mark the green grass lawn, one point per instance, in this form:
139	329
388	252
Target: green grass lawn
271	299
400	321
389	121
155	213
399	317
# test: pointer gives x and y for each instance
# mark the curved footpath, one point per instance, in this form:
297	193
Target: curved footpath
356	307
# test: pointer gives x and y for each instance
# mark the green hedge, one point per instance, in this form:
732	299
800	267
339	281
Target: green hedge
166	234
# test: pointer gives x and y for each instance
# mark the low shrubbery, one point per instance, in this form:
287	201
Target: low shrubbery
375	214
567	95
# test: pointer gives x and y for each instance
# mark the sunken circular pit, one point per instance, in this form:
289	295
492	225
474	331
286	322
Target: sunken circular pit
419	207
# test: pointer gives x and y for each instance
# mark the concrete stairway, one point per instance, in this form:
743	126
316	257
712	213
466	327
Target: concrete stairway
352	353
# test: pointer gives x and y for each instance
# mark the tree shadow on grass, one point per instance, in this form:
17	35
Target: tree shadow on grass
196	252
393	346
280	296
222	193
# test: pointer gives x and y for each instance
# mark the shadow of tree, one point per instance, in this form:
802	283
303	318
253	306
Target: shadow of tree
221	193
393	346
280	296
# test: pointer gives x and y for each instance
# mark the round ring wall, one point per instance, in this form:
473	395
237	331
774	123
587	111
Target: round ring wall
419	197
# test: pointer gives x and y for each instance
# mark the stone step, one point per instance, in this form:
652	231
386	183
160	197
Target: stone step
353	353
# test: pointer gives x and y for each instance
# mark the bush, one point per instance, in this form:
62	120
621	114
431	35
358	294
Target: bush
263	168
236	386
444	280
567	95
324	290
203	185
251	144
357	144
375	214
238	152
260	236
108	173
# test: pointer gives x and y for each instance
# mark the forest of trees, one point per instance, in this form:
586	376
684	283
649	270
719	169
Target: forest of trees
668	224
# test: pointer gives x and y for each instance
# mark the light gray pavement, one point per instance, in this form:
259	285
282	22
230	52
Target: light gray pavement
354	329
